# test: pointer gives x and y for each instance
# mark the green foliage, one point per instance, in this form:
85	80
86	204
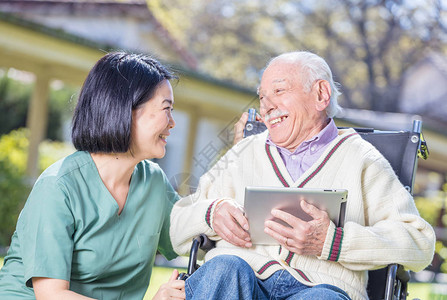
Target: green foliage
430	207
433	210
14	99
14	188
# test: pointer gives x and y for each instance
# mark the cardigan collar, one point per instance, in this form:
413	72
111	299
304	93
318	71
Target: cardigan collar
281	170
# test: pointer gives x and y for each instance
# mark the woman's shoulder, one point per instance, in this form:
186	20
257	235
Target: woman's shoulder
66	165
148	168
150	165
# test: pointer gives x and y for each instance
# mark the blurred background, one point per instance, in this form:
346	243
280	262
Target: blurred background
390	57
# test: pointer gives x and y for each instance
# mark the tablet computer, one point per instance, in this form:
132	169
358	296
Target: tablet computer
259	202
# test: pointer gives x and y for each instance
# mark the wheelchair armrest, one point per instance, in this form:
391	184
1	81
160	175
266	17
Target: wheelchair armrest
397	279
206	244
203	242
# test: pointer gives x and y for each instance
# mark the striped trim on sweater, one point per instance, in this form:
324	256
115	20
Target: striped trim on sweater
305	181
338	234
326	159
301	273
266	266
334	254
208	214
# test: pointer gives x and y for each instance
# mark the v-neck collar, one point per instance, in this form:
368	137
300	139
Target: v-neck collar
281	170
107	192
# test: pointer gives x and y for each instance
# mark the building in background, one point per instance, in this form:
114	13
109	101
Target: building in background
61	40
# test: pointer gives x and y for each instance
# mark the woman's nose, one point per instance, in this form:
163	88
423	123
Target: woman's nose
171	122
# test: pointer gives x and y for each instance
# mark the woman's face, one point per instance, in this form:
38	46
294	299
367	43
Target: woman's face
151	123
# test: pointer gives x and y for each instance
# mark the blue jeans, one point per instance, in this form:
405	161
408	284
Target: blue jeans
230	277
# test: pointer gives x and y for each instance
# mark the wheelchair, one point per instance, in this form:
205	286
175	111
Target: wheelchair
402	149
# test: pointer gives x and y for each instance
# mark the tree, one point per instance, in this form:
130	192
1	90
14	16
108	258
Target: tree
368	44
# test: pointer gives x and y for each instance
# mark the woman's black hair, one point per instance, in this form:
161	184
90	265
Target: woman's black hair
118	83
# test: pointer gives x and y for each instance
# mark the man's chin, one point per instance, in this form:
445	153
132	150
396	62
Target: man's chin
279	141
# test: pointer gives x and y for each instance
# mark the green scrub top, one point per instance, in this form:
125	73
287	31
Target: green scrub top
70	229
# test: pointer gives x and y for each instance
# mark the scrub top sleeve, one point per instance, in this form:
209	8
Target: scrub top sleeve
164	244
45	229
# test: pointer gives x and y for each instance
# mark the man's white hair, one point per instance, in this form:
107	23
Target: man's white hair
313	68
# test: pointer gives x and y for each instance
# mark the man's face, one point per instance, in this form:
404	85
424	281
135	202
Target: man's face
287	109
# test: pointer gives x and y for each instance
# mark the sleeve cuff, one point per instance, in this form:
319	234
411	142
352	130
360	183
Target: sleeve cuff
209	216
333	243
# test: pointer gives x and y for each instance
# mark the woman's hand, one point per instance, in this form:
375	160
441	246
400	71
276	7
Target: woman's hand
173	289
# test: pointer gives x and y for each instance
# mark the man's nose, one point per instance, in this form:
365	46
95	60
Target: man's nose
266	107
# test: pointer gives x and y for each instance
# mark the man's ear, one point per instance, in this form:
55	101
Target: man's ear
323	89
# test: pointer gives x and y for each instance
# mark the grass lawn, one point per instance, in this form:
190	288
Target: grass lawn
161	275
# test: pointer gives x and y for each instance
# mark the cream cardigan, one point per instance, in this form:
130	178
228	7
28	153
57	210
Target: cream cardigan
382	224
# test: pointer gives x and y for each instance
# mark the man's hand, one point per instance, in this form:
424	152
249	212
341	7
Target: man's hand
173	289
239	128
230	224
304	238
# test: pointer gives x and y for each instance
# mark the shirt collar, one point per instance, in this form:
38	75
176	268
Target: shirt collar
319	140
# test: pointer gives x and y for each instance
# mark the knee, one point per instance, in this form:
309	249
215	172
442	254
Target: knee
227	268
325	292
223	275
230	265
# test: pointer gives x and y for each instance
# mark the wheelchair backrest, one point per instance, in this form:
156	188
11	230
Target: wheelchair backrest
400	148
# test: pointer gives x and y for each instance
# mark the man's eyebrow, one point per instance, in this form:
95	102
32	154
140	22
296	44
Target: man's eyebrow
278	80
170	102
258	89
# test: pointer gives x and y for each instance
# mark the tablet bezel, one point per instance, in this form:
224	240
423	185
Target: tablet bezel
259	201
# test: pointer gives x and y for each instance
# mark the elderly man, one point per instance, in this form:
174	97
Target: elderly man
301	148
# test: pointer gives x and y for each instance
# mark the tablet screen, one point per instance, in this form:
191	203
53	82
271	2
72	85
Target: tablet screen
259	202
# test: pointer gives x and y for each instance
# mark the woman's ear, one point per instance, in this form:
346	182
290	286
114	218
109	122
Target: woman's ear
323	95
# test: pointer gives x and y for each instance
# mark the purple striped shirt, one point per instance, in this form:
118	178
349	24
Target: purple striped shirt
307	152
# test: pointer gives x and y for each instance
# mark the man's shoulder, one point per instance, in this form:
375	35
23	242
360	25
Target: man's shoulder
256	140
357	144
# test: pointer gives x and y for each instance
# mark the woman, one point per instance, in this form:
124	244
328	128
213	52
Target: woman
95	219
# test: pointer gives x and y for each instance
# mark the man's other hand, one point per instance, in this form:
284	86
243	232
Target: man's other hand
230	224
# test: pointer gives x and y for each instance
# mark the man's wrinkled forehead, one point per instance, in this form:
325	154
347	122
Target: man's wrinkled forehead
274	82
278	73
